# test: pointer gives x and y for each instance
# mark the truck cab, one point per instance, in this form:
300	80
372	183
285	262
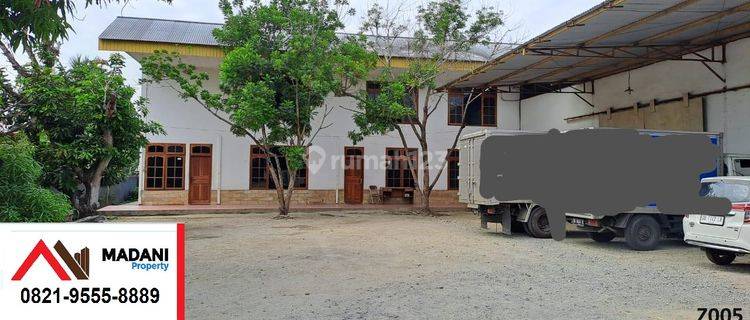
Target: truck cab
736	164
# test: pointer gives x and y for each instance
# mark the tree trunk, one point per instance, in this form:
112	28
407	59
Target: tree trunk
82	202
426	202
88	202
426	188
94	192
288	194
281	196
429	187
285	201
283	209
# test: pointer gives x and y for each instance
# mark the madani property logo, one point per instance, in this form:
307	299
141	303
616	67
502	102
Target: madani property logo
138	259
78	264
117	271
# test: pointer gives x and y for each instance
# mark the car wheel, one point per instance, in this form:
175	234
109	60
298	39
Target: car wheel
720	257
538	225
602	237
643	233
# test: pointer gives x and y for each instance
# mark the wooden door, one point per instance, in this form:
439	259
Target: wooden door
200	174
354	174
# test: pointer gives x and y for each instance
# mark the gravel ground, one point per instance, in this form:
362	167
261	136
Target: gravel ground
382	266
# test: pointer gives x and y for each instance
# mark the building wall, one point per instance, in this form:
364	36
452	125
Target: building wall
187	122
548	111
726	112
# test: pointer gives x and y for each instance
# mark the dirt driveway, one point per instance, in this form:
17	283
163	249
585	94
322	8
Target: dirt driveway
381	266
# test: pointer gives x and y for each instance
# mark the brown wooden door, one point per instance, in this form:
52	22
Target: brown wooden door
200	174
354	173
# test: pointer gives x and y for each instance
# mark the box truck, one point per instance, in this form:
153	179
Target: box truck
642	227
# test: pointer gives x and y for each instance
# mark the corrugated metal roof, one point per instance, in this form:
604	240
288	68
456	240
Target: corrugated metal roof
615	36
201	33
159	30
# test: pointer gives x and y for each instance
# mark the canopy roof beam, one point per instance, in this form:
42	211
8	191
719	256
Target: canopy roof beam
557	87
652	36
739	31
645	53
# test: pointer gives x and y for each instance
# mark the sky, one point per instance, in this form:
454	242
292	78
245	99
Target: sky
524	18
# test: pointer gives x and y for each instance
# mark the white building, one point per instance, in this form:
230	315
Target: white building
200	161
666	64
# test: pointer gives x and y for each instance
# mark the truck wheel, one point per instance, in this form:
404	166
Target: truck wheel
538	225
602	237
720	257
517	226
643	233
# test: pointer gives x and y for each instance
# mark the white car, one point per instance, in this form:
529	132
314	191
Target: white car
723	238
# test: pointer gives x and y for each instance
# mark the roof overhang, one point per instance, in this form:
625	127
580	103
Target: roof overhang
617	36
203	51
147	47
138	36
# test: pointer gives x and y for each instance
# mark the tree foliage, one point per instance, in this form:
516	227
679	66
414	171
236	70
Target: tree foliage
81	118
21	197
35	28
444	32
87	126
282	59
34	23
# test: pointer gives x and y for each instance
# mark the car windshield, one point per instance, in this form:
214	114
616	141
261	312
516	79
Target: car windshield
735	191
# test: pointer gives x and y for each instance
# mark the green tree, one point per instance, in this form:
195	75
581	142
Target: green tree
282	59
31	23
21	197
79	145
36	27
87	127
444	30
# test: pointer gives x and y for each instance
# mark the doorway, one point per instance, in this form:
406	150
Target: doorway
200	174
354	174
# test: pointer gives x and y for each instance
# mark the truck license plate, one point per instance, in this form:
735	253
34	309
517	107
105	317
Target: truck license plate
578	222
712	220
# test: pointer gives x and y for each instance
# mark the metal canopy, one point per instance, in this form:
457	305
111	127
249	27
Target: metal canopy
616	36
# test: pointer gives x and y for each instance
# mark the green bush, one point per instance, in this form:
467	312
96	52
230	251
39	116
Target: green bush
132	196
21	197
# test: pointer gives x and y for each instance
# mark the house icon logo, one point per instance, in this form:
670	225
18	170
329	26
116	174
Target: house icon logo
78	264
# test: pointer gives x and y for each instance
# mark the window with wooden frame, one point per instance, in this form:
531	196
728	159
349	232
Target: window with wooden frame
260	176
373	89
411	99
200	149
452	169
165	166
481	111
397	172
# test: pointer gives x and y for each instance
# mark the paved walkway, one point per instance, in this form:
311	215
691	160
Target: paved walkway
135	209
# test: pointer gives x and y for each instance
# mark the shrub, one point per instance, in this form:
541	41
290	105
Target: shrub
21	197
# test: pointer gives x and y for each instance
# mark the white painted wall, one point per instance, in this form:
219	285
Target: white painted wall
187	122
728	113
548	111
509	110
